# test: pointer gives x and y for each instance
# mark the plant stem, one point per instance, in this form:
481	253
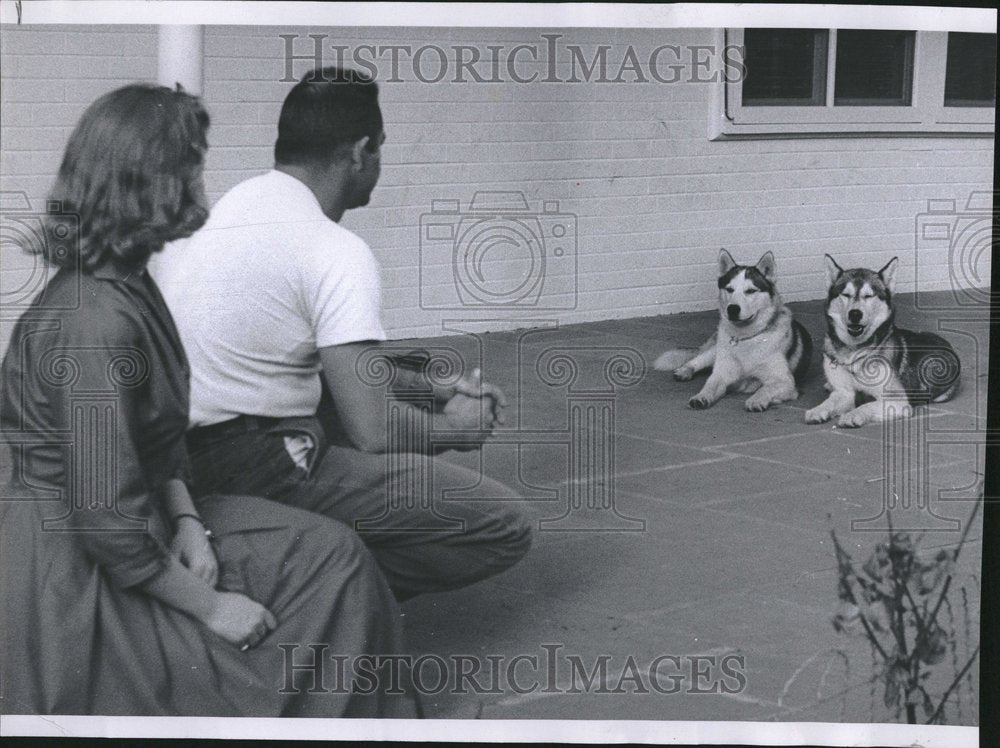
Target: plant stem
842	554
899	583
954	558
954	683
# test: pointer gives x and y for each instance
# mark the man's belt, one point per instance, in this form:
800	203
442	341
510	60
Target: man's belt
202	435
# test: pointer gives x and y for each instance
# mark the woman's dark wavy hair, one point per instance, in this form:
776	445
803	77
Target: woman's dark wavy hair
131	176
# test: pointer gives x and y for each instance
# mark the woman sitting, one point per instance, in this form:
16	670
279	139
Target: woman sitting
115	597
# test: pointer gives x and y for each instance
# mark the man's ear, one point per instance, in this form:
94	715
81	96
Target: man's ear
833	270
726	262
358	148
767	265
888	273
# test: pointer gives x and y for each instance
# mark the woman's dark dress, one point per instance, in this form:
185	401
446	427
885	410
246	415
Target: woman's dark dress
94	407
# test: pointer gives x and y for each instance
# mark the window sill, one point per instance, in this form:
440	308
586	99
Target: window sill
725	130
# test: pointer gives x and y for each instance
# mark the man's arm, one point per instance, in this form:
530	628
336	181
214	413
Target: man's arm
361	408
411	376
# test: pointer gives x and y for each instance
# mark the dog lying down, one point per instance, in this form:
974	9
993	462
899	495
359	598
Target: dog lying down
866	357
758	349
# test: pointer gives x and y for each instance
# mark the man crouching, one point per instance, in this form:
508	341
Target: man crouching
276	303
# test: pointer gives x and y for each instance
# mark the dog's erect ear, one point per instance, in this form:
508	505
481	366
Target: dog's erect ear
888	273
767	266
833	270
726	262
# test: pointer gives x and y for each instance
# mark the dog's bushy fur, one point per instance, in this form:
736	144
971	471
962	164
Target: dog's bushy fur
866	357
757	349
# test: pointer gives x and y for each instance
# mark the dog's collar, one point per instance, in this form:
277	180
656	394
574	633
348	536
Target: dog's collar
736	339
849	363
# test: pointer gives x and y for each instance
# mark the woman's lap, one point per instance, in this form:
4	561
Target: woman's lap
74	643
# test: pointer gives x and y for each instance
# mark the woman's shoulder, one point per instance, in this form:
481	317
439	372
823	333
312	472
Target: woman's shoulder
84	306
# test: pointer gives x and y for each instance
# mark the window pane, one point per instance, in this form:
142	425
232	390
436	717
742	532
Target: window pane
784	67
971	73
874	68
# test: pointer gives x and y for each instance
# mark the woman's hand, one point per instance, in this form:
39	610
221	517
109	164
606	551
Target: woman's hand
232	615
239	620
191	546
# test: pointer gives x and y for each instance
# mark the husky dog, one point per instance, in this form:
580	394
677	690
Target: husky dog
758	348
865	356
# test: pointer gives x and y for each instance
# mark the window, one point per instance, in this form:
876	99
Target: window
874	68
842	81
971	74
789	67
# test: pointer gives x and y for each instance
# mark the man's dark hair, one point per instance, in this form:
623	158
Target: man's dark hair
132	175
327	108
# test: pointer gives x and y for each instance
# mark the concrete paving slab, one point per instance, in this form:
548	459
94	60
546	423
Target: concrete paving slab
830	452
735	555
725	479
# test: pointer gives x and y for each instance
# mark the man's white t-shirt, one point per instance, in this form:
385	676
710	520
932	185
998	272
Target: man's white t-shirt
257	291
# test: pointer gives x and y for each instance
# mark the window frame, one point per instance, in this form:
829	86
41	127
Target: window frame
926	115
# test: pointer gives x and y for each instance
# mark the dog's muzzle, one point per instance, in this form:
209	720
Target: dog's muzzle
854	324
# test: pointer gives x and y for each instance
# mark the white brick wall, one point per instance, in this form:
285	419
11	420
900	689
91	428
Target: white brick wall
655	199
48	76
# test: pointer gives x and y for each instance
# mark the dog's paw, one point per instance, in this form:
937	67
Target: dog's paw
683	374
698	402
852	420
756	404
817	415
674	359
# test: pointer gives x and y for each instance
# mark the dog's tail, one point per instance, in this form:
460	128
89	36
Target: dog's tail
674	359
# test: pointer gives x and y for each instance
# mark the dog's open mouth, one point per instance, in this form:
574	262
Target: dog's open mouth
855	330
743	322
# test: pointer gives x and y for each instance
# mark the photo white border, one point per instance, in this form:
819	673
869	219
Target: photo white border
667	732
499	15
